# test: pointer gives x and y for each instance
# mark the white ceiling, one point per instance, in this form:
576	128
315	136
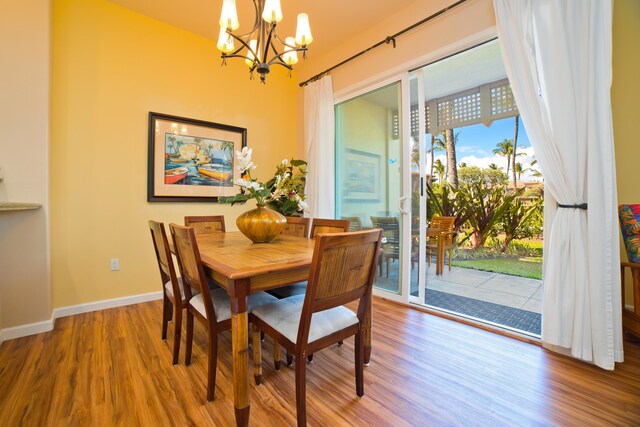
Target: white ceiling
331	20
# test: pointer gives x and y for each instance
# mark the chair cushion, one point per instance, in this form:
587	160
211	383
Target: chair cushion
169	288
630	226
284	316
222	304
299	288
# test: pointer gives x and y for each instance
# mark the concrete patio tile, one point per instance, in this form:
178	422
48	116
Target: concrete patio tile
450	288
538	294
464	276
533	305
512	285
509	300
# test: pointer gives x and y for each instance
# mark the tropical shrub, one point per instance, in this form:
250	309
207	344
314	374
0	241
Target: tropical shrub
520	220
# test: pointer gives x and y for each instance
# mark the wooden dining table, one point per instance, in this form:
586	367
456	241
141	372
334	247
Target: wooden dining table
243	268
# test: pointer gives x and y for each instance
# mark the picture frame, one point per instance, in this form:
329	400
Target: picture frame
191	160
362	176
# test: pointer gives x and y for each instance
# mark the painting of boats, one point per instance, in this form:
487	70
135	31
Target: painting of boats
191	160
215	172
172	176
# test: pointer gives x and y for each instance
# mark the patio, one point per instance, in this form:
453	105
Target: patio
510	301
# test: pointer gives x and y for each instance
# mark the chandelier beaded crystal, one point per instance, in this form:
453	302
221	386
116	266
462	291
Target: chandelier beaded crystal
258	47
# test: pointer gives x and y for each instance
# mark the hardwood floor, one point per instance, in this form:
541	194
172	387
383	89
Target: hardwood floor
111	368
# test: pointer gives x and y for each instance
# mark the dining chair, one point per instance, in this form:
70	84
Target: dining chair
342	270
173	301
319	225
440	227
354	222
205	224
391	235
629	216
322	225
212	308
296	226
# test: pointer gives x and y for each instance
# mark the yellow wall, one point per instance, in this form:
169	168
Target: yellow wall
111	67
625	93
25	287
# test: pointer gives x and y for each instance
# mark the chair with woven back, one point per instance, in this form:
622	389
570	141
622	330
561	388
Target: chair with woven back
391	239
173	301
205	224
322	225
296	226
354	222
630	225
212	308
342	270
441	228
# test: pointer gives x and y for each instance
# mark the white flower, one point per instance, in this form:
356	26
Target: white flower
302	205
285	162
244	159
240	182
255	186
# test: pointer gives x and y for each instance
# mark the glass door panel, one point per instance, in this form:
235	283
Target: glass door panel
369	173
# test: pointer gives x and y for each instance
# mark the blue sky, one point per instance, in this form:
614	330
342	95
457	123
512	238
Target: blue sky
476	143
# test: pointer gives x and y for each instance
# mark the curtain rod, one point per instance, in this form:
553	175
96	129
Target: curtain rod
387	40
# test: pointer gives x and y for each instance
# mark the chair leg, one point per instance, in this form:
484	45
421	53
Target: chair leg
450	256
187	355
277	357
257	356
428	259
310	358
177	331
388	267
359	356
213	359
167	307
289	359
301	390
340	343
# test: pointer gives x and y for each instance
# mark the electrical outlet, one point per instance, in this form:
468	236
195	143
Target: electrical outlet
115	264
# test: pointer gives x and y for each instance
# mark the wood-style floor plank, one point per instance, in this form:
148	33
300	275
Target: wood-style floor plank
111	368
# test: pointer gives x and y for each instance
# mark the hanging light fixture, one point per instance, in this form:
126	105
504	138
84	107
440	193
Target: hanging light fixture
256	46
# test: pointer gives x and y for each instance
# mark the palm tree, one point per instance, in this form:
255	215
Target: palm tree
439	170
462	165
504	148
535	172
452	167
517	168
513	158
437	144
493	166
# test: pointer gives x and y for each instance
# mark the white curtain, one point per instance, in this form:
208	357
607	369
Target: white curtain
558	58
319	143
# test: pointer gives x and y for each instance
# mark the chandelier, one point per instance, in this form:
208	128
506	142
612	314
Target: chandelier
258	47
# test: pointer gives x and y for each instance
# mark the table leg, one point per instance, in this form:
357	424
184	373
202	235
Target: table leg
440	256
238	294
367	332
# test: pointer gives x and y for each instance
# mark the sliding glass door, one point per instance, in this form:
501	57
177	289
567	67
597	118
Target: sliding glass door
369	174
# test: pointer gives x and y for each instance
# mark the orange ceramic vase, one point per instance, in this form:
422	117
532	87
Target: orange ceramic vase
261	225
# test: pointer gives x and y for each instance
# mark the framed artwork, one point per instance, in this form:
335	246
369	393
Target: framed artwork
191	160
361	176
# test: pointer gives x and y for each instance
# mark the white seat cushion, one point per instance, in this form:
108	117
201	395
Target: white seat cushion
284	316
222	304
169	288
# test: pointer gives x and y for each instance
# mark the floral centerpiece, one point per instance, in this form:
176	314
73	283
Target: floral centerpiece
284	194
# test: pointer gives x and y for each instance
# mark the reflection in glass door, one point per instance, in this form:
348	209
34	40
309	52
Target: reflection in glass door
369	173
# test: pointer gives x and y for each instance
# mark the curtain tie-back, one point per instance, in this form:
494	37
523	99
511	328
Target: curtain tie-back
582	206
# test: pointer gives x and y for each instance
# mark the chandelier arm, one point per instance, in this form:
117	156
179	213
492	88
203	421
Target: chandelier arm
256	23
244	44
269	43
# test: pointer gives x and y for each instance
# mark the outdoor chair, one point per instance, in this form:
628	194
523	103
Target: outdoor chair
440	238
390	237
630	226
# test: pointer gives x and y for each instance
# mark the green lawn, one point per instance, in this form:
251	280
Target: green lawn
523	267
527	264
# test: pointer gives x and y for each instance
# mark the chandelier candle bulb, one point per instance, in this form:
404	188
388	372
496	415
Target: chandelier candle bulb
303	30
272	11
290	56
229	15
253	44
225	41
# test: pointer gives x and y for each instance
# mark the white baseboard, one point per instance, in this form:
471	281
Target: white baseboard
47	325
104	304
